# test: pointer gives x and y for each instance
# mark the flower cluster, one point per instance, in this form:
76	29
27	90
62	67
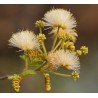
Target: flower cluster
63	52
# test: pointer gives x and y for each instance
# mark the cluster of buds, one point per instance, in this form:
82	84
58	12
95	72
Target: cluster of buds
41	37
39	23
69	45
62	34
83	50
75	75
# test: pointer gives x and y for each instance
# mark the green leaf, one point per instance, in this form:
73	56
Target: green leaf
28	72
30	59
36	62
22	57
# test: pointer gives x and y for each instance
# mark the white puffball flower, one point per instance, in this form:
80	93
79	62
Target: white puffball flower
63	58
60	18
25	40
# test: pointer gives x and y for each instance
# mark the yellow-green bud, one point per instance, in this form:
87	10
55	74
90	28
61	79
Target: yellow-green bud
65	45
63	37
41	37
72	47
79	52
71	43
68	44
75	75
84	50
39	23
69	37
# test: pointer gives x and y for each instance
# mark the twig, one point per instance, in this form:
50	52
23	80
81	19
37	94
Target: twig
3	77
57	45
65	75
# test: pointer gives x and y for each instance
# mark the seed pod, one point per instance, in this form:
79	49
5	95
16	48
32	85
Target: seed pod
16	84
47	82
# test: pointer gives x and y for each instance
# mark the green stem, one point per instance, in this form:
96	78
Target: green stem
38	68
65	75
57	45
26	61
40	30
62	45
43	44
44	48
40	50
55	39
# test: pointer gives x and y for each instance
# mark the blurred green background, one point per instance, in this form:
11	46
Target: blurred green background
21	17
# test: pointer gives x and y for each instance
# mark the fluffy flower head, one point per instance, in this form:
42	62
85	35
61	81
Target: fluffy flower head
63	58
25	40
60	18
